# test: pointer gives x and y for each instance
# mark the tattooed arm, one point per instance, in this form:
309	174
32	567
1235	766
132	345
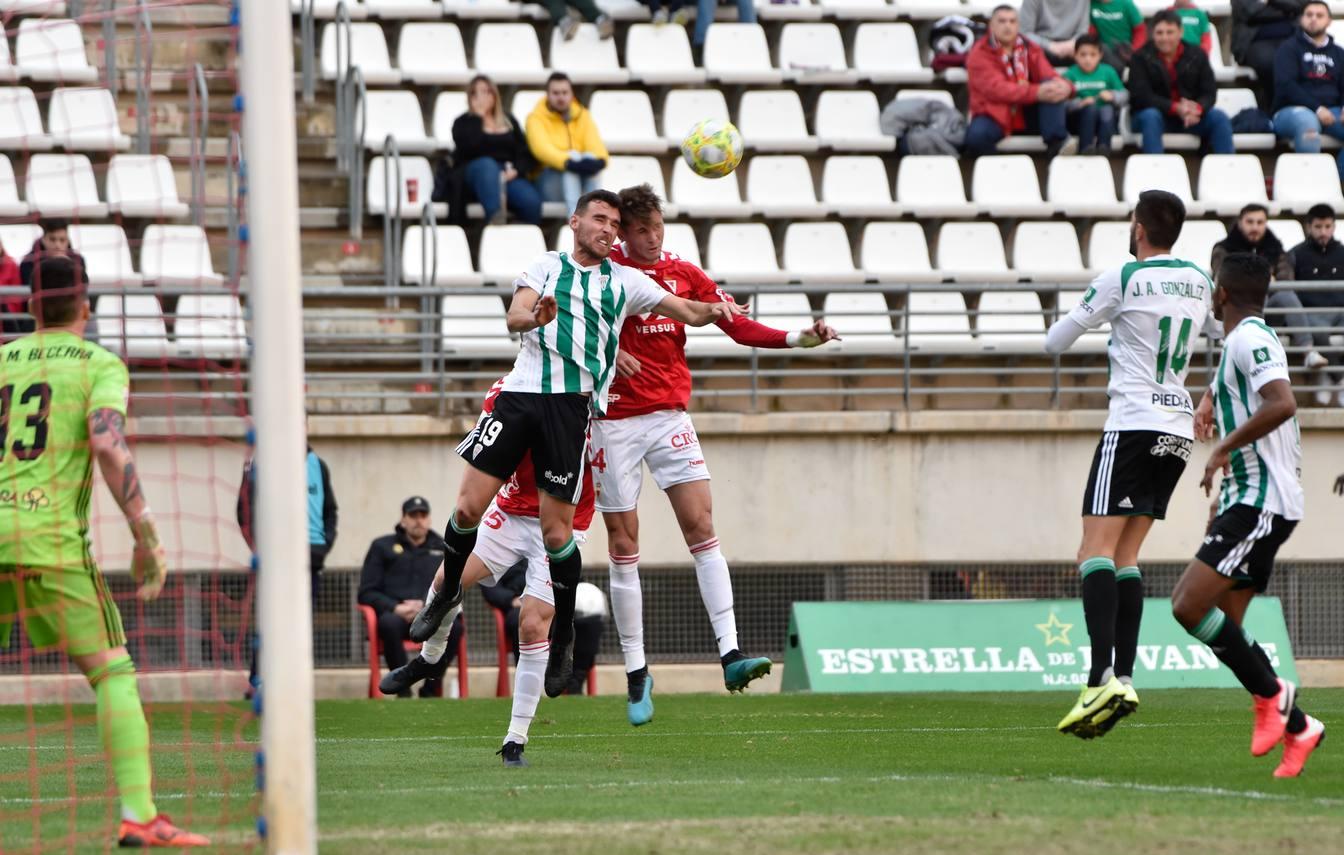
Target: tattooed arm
107	441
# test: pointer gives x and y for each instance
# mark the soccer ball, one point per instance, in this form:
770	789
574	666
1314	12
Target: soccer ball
713	148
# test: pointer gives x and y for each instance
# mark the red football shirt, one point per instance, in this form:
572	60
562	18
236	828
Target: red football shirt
659	343
519	497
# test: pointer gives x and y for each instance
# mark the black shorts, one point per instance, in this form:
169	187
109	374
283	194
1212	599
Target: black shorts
1242	542
554	427
1134	473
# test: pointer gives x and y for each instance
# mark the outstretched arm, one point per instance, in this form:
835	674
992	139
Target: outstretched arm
698	314
107	441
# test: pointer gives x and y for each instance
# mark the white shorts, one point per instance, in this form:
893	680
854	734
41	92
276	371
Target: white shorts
503	540
665	440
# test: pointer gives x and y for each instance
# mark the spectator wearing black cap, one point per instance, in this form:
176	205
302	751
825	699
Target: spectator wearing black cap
398	570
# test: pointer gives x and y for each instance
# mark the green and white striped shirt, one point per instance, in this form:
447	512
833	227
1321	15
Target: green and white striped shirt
1267	473
576	352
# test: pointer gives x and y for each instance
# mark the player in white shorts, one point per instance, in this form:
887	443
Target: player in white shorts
510	532
646	423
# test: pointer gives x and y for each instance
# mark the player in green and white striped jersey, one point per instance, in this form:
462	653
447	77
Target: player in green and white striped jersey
1260	455
568	308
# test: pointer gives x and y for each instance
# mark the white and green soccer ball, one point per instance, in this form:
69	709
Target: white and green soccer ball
713	148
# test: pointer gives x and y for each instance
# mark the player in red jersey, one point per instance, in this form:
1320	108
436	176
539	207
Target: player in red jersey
647	423
510	532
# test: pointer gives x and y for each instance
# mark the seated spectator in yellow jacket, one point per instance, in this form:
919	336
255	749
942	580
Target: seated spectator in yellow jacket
564	140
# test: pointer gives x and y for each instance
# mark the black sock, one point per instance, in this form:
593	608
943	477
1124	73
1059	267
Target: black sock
566	572
1128	616
1297	720
460	544
1099	607
1238	652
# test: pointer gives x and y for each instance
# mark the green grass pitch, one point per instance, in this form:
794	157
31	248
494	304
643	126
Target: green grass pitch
746	774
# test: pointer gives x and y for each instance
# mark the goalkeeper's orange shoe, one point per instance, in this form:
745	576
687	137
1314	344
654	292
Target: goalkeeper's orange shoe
159	831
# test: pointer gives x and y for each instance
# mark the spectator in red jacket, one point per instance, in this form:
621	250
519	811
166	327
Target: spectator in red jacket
1013	89
10	306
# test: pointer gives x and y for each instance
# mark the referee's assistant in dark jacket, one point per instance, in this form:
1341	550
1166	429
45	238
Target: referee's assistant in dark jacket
397	572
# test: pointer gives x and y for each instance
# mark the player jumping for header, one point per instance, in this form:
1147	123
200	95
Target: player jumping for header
1260	502
63	401
647	424
1157	306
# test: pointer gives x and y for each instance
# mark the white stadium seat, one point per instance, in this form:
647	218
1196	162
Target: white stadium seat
506	250
18	238
936	321
415	173
680	238
738	53
503	10
814	53
848	121
403	8
10	205
1229	181
627	171
622	10
85	119
972	252
34	7
896	251
743	253
1108	246
444	263
396	113
20	121
706	197
781	186
863	321
52	49
1289	232
210	326
799	10
626	119
62	185
524	102
772	120
661	56
1083	187
790	311
932	186
368	51
1158	172
1232	102
942	96
509	53
474	327
683	109
1197	240
1048	252
1006	185
819	253
106	253
433	55
447	107
8	72
889	53
1010	321
177	255
133	326
327	8
586	58
1303	180
862	10
857	186
932	10
1221	70
143	185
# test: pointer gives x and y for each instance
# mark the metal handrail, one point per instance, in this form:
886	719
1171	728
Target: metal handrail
109	48
199	119
144	64
237	189
308	50
429	250
391	214
343	59
355	148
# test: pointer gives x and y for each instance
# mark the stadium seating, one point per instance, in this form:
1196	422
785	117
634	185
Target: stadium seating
738	53
177	256
444	263
857	186
85	119
625	118
1010	322
780	186
661	56
10	204
1303	180
62	185
8	73
713	198
937	322
972	252
896	251
132	326
1165	171
848	121
1197	240
433	55
447	107
501	248
680	238
417	178
1229	181
743	253
865	319
52	50
1048	252
1108	245
819	253
772	120
524	100
473	327
888	53
210	326
1232	102
395	114
20	121
142	185
1006	186
403	8
509	53
684	108
1084	187
368	51
18	238
586	58
813	54
107	254
933	185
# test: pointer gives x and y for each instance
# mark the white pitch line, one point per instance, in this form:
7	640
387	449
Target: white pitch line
513	785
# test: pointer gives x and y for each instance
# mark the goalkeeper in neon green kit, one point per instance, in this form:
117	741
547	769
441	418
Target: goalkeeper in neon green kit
63	406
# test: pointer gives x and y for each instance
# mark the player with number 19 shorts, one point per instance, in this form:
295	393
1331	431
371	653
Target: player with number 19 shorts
510	532
646	423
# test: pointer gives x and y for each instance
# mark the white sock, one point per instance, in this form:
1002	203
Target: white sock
627	608
437	644
527	680
716	589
